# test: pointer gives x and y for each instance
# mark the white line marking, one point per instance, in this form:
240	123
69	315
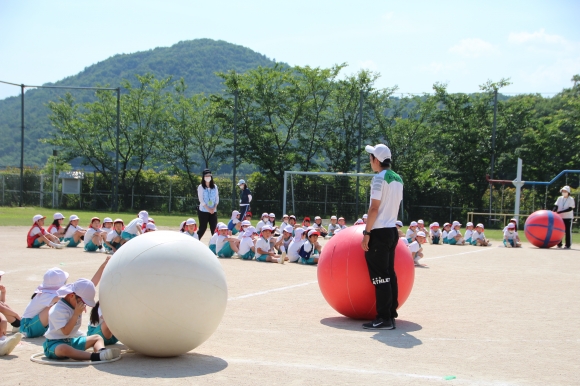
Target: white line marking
271	290
457	254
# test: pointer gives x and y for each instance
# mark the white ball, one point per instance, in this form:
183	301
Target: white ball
163	293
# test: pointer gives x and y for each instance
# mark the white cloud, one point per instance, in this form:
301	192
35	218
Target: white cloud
473	48
558	73
536	37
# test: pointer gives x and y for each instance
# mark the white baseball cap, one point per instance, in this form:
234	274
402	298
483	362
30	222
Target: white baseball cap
151	226
479	225
190	221
246	223
249	231
333	217
241	182
106	220
83	288
433	225
380	151
421	233
271	215
37	217
456	223
469	224
222	227
399	223
289	229
413	224
285	216
566	188
444	225
511	226
53	280
313	232
365	215
298	232
317	218
73	217
118	220
58	216
265	214
421	222
267	228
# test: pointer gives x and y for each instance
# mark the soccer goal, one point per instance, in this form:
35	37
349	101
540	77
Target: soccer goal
326	194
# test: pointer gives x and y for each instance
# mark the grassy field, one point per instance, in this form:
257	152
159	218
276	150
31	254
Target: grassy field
10	216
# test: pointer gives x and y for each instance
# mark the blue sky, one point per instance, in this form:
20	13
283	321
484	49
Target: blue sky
412	44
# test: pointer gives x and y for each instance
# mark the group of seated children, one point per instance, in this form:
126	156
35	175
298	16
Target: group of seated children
55	312
451	233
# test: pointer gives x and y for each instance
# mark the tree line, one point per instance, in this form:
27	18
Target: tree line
309	119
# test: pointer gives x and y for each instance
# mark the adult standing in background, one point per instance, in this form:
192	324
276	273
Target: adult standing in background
381	236
245	199
564	206
209	198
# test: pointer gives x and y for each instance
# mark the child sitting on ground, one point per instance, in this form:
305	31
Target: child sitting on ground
56	227
150	227
306	222
411	232
247	249
478	237
359	222
310	249
225	245
399	225
333	226
114	239
510	237
93	239
214	237
190	228
38	237
318	226
283	241
454	237
468	233
98	326
417	250
63	338
341	223
234	225
264	251
133	229
435	233
295	245
73	233
7	315
445	233
264	220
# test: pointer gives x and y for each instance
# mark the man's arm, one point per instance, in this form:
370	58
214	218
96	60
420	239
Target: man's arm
373	213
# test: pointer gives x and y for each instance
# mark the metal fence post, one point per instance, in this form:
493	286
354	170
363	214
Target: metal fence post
170	188
41	190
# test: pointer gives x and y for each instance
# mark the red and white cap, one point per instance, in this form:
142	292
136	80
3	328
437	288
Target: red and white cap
413	224
83	288
333	217
246	223
480	225
365	215
399	223
289	229
118	220
37	217
313	232
151	226
191	221
511	226
421	233
421	222
456	223
222	227
434	225
267	228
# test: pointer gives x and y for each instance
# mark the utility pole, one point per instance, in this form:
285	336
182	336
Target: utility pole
360	123
234	196
493	149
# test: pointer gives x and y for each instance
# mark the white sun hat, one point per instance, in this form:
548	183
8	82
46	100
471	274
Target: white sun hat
83	288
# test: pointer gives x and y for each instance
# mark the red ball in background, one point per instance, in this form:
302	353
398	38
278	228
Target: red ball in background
544	229
344	278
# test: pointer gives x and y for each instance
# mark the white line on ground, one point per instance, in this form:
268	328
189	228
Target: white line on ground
456	254
271	290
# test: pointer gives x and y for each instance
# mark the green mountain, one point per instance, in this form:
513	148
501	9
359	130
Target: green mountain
196	61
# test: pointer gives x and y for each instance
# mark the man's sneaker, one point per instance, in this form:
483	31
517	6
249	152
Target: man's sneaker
566	247
109	353
379	324
393	322
9	343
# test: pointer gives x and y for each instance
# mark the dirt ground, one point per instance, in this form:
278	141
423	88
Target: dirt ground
481	315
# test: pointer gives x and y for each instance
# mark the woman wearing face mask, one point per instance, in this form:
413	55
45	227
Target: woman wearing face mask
207	192
245	199
564	206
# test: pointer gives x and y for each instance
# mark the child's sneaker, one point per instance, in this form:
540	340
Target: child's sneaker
9	343
109	353
64	243
55	245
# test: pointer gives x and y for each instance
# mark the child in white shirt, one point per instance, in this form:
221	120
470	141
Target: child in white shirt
435	233
264	251
454	237
310	249
411	232
511	238
333	226
133	229
478	237
417	250
468	233
295	245
247	249
264	220
114	238
73	233
93	238
190	228
445	232
225	245
283	241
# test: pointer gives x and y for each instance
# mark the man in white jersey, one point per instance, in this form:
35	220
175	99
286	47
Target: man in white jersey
381	236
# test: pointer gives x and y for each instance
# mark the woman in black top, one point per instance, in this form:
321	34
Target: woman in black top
245	199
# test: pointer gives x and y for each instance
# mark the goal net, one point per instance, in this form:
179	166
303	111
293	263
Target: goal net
326	194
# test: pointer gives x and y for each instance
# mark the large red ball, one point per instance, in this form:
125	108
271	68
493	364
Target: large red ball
344	278
544	229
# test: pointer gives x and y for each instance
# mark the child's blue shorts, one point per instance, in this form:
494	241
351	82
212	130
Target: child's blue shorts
510	241
474	242
71	242
51	344
38	243
435	240
127	235
92	330
309	261
226	251
212	248
90	246
452	241
249	255
32	327
262	258
468	241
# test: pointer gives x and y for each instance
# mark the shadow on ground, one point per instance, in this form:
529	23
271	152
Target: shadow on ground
187	365
398	338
